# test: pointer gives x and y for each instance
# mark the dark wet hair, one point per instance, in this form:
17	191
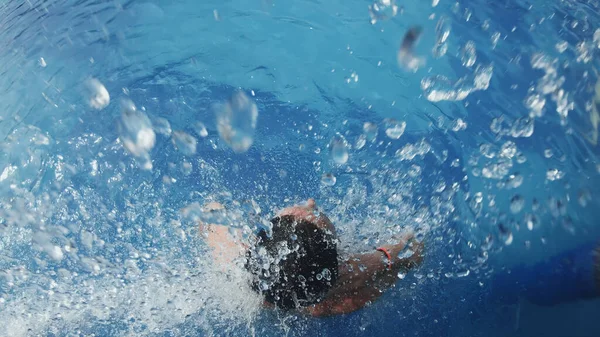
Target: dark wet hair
296	265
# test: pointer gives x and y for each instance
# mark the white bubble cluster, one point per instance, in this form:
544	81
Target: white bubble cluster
442	32
200	129
97	95
440	88
236	122
382	10
550	84
184	142
459	125
410	151
554	174
469	55
394	129
136	133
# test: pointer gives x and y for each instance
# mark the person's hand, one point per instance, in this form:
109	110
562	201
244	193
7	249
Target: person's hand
418	248
306	212
406	241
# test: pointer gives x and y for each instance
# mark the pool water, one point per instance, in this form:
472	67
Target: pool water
472	123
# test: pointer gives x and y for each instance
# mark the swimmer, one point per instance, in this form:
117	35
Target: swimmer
298	266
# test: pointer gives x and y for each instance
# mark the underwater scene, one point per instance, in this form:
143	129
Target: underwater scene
299	168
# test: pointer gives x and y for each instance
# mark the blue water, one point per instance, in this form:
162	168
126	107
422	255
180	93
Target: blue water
94	243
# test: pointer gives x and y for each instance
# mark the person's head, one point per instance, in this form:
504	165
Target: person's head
296	264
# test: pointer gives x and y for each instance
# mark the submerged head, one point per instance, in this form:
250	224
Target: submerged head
297	264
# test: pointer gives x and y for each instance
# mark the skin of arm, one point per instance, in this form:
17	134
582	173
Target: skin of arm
364	277
224	244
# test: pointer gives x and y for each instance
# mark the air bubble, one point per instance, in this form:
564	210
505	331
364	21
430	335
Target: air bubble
497	170
567	224
554	174
440	187
535	205
513	181
410	151
328	179
162	126
522	127
338	148
236	122
97	95
360	142
521	158
370	131
184	142
394	129
459	125
494	39
200	129
561	46
584	197
516	203
488	243
186	168
486	24
506	235
508	149
557	207
530	221
414	171
135	132
487	150
535	103
469	55
442	31
439	88
382	10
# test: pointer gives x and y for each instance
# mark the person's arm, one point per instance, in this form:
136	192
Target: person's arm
224	246
364	278
224	243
